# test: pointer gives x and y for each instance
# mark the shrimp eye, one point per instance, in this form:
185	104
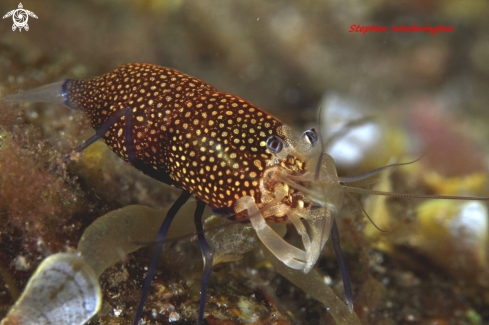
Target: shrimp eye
311	136
274	144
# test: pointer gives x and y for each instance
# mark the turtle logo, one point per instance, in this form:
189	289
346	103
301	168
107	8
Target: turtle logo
20	17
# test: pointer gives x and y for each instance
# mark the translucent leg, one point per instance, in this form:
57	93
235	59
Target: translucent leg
301	229
160	240
207	255
335	237
320	222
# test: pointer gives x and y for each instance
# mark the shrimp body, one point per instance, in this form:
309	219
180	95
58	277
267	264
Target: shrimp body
186	133
218	147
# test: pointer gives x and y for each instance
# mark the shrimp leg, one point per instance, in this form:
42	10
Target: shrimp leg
206	254
160	240
129	142
335	237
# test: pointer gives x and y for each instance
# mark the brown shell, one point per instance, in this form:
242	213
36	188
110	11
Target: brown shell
209	143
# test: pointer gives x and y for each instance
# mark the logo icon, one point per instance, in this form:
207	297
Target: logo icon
20	17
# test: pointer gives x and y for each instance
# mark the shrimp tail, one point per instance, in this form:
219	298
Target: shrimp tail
55	93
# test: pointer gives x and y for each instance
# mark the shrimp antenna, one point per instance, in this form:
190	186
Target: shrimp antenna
320	158
375	171
355	201
347	127
414	196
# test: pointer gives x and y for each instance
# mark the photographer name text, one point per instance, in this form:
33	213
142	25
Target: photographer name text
400	29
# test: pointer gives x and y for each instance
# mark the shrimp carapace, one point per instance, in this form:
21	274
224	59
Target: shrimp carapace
185	133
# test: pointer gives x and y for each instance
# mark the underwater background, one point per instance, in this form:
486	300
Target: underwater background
421	93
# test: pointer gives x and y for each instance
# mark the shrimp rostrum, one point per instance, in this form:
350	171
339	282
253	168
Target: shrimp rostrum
226	152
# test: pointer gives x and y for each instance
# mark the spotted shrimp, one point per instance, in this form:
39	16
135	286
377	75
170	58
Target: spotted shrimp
223	150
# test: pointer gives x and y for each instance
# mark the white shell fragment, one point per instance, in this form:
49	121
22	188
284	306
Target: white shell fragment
351	148
62	291
470	223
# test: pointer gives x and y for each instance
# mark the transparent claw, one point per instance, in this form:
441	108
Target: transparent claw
320	222
288	254
312	225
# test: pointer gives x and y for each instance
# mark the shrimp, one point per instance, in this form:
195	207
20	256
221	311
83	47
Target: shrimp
223	150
